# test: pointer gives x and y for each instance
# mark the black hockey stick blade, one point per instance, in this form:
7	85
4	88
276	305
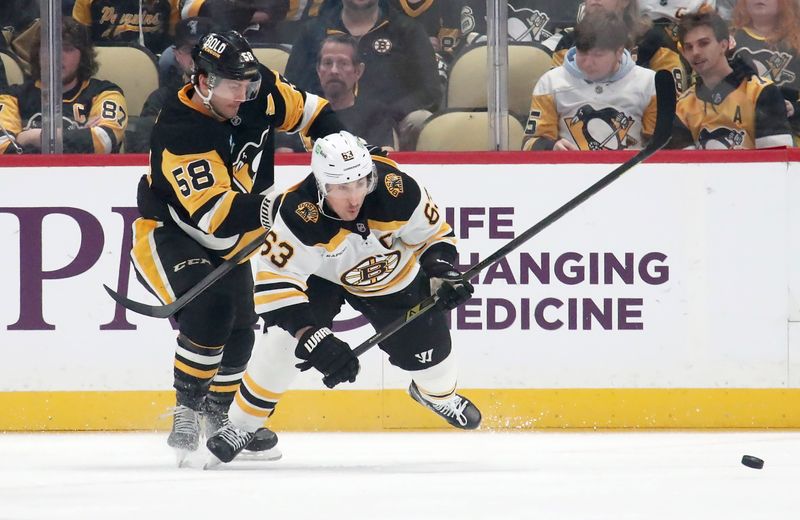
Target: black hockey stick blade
165	311
665	113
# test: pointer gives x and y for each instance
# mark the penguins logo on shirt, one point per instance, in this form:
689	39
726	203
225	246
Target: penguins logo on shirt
372	270
394	184
250	156
770	64
720	139
604	129
527	25
308	212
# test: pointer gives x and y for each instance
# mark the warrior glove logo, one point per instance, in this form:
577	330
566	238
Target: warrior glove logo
394	184
372	270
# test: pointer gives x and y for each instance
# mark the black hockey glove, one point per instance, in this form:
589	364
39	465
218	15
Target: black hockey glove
149	204
450	286
320	349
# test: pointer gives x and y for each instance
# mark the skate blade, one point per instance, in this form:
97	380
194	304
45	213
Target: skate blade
183	457
269	455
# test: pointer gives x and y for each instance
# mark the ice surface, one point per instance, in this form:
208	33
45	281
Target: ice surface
461	475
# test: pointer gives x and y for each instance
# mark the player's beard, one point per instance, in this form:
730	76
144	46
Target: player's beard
66	80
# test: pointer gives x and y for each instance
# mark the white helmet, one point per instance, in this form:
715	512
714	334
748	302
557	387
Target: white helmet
339	159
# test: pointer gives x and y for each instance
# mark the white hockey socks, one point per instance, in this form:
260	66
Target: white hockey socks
269	373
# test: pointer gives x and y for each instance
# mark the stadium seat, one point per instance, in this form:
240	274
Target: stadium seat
131	67
274	57
13	68
466	85
464	131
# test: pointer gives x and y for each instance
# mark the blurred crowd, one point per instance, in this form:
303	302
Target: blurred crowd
392	68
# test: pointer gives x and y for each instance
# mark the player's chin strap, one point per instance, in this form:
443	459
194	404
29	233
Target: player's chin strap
321	206
207	99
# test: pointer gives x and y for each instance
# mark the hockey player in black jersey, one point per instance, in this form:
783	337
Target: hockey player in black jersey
205	198
357	230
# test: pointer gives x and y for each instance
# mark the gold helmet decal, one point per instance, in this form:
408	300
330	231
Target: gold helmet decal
308	212
604	129
372	270
394	184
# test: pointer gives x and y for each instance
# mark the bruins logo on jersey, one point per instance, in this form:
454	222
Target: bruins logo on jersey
770	64
394	184
308	212
720	139
372	270
604	129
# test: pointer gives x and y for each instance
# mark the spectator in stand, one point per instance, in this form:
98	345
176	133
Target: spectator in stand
150	23
650	46
339	69
187	34
400	67
599	99
730	106
94	111
767	36
19	21
256	20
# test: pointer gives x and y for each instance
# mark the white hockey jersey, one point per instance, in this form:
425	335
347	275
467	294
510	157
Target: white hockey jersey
375	255
605	115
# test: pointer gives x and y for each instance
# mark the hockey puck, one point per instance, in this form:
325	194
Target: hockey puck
752	462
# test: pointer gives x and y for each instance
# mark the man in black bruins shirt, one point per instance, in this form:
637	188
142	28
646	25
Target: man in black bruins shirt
205	198
730	106
93	111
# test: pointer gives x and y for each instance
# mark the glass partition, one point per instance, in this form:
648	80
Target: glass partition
411	74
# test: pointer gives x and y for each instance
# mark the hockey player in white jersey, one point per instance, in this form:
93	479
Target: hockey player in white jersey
599	99
357	230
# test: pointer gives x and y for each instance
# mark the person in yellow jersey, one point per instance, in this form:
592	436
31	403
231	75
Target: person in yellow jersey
205	198
357	230
730	106
94	113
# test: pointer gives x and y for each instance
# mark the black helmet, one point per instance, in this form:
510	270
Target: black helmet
227	55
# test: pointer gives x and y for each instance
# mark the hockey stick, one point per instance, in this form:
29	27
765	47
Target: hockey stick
165	311
665	112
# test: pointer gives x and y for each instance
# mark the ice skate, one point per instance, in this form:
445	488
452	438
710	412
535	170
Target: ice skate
261	447
457	410
225	444
185	434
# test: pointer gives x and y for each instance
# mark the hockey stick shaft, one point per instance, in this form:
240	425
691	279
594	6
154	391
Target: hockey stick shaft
165	311
665	92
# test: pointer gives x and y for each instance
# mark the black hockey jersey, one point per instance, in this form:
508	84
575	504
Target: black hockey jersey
776	62
120	20
94	115
206	169
743	111
375	255
441	19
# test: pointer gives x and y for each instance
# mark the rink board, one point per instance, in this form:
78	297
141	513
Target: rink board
667	300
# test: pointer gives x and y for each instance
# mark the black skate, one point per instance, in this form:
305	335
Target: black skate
215	417
227	443
185	434
458	410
